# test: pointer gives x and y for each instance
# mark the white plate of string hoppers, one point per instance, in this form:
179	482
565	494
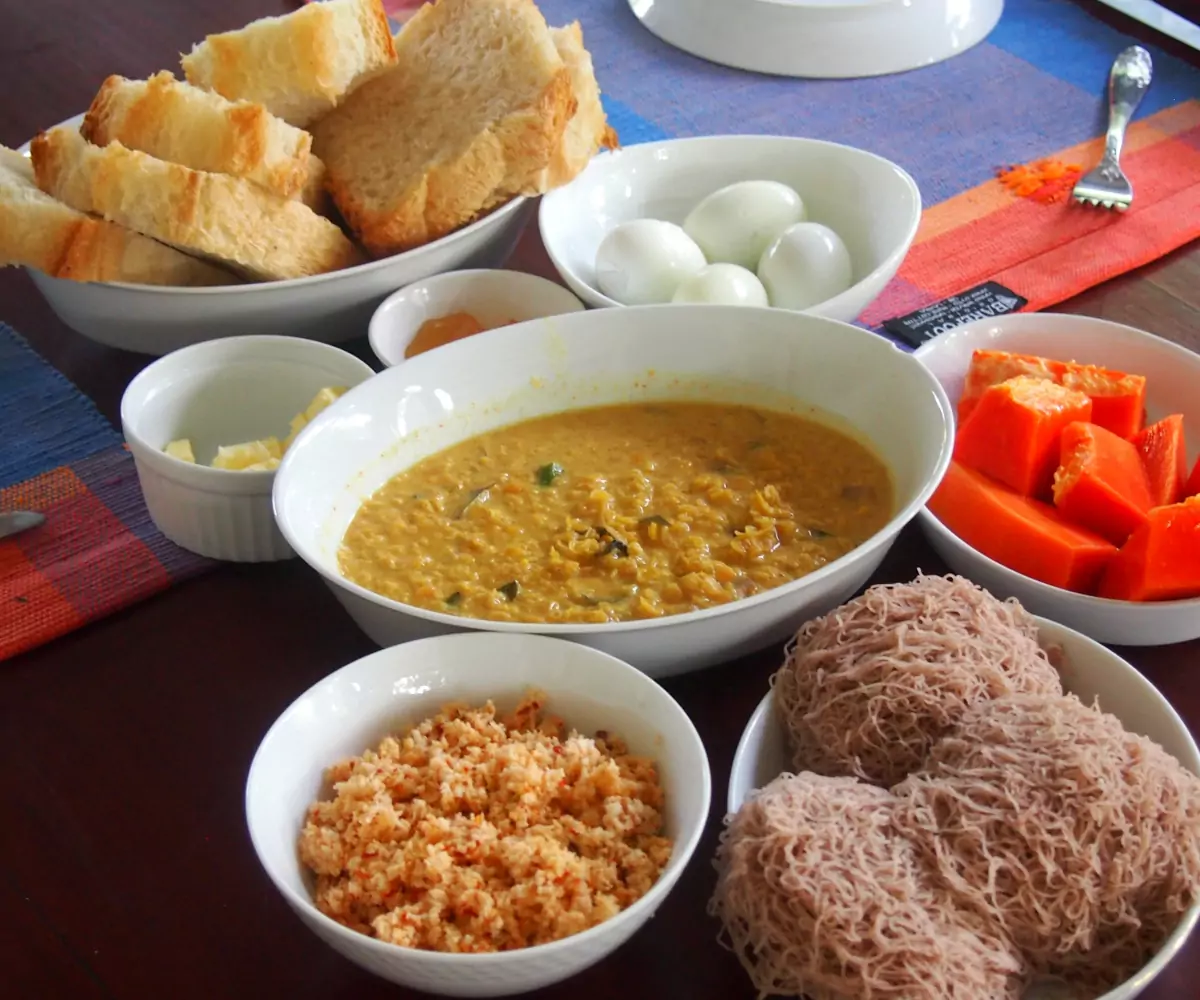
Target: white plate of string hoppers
1024	729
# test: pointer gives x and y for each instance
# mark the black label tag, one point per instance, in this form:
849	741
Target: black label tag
980	302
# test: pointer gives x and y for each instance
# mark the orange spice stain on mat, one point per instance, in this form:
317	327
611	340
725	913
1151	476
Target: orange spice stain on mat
444	330
1045	181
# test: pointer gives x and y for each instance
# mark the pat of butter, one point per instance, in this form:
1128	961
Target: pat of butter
263	455
247	454
181	449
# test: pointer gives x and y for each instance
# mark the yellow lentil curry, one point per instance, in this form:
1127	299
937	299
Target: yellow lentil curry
620	512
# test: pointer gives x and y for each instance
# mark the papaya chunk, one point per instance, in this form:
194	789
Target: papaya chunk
1012	434
1100	483
1118	399
1161	560
1164	457
1024	534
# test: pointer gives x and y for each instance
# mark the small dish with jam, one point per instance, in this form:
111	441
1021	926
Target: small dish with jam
448	307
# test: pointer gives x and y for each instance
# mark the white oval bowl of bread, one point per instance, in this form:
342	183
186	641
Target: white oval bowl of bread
771	358
308	165
871	203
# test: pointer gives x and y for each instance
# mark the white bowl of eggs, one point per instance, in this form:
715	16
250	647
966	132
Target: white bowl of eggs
796	224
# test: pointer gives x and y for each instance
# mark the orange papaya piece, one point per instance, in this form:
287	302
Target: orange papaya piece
1161	560
1164	457
1024	534
1100	483
990	368
1012	433
1118	399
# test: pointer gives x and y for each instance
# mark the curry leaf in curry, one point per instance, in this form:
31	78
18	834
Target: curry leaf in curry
658	519
454	598
510	590
480	495
611	543
548	473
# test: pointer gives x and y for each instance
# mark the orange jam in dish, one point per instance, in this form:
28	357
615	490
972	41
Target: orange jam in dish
443	330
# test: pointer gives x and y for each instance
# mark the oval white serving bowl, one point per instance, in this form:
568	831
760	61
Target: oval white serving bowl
832	39
495	298
331	308
765	357
353	708
221	393
1090	671
870	202
1172	386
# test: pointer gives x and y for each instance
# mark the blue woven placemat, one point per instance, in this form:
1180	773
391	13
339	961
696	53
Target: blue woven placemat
98	551
47	421
1033	86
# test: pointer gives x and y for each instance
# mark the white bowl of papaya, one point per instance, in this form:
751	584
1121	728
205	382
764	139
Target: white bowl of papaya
1076	487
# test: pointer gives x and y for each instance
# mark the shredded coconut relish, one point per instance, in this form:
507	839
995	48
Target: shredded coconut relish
471	833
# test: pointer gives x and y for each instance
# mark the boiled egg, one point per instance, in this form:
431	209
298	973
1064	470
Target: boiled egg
722	284
737	223
808	263
642	262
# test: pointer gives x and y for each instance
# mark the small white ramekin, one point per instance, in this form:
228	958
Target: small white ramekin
219	393
494	298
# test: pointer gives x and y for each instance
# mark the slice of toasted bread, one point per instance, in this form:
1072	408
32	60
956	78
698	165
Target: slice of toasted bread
299	65
588	130
224	218
177	122
39	232
470	116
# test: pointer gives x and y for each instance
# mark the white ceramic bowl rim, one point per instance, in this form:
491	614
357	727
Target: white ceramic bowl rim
681	854
251	481
646	149
1118	330
882	537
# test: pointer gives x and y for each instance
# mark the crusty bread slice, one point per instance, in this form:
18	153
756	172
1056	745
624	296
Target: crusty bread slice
588	130
39	232
177	122
299	65
226	219
470	116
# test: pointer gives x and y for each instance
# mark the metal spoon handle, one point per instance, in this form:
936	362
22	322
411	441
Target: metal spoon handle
1127	85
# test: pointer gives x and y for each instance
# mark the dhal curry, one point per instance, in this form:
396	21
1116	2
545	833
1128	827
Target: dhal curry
621	512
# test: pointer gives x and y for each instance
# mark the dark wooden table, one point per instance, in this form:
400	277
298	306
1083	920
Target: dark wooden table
125	867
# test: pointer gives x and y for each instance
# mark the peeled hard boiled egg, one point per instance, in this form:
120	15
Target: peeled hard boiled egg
807	264
722	284
737	223
643	261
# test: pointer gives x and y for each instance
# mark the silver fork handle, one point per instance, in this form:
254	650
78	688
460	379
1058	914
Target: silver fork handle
1127	85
